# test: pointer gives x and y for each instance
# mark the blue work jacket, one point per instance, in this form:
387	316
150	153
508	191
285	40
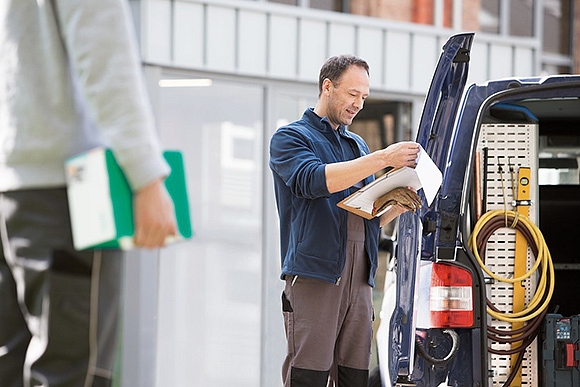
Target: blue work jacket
313	230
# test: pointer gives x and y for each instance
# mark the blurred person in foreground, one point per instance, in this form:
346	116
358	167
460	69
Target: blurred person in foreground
329	255
70	80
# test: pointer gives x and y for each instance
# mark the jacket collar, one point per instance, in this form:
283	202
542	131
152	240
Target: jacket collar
322	123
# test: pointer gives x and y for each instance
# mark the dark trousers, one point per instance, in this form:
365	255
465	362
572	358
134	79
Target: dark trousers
328	326
58	307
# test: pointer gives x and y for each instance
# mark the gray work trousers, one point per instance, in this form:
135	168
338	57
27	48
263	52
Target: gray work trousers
58	307
328	326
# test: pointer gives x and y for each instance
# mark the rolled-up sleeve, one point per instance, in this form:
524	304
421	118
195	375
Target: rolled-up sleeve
294	161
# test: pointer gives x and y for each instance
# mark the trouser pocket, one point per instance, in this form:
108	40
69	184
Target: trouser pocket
286	306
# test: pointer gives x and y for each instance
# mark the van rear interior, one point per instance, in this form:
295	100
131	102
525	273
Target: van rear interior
552	129
558	196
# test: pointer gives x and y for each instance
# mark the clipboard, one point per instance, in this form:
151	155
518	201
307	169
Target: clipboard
101	201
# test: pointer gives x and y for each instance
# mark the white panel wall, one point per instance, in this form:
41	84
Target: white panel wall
188	35
425	53
221	38
342	39
523	62
500	61
312	46
478	62
397	70
370	47
252	40
282	45
274	41
156	41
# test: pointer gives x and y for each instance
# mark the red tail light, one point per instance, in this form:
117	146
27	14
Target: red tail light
451	299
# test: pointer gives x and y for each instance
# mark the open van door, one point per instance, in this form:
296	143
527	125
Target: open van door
416	233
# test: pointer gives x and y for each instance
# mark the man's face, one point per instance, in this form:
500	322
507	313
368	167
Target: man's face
347	96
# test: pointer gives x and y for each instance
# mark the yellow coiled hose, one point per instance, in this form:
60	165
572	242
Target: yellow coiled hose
533	315
484	228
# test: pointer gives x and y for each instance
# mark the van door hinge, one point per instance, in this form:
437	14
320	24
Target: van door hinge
462	56
448	230
429	225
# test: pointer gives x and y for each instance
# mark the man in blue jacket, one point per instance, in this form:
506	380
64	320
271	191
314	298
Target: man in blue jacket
329	256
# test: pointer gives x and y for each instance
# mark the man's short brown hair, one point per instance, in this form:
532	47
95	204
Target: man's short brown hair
335	66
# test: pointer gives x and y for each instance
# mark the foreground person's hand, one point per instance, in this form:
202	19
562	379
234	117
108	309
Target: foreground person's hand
154	215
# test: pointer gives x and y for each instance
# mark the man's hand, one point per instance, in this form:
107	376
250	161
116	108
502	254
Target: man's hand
401	154
154	215
342	175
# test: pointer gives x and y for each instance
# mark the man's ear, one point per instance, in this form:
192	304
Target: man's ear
326	85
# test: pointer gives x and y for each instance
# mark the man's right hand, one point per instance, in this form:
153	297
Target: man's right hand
342	175
401	154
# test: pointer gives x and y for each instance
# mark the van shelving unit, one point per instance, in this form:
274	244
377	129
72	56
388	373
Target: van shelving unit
508	147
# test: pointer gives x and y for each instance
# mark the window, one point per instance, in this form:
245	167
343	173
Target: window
521	17
330	5
288	2
327	5
489	16
557	26
509	17
559	156
210	287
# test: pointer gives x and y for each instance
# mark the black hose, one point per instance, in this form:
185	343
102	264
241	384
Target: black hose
529	332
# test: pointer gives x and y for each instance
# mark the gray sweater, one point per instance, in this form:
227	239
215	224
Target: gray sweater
71	80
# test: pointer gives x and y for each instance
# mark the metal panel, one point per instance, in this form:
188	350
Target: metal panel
311	48
282	46
156	42
425	52
500	61
341	39
221	38
508	144
523	61
252	42
188	34
398	61
370	44
478	63
228	36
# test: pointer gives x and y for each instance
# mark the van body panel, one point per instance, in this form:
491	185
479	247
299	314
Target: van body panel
434	133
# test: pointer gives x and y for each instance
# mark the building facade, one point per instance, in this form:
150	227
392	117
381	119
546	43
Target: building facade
223	75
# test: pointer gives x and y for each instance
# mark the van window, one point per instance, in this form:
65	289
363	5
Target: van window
558	160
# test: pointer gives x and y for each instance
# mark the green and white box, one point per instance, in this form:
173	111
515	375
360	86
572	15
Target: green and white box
101	201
